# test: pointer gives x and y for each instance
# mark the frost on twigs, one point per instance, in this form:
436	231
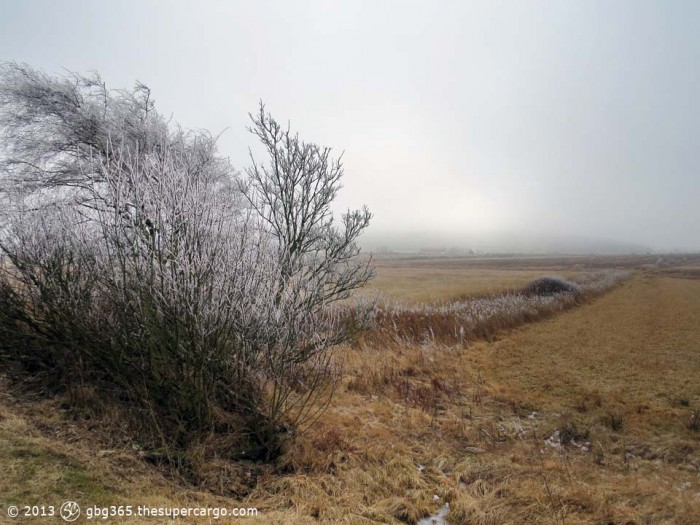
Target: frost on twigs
139	261
456	322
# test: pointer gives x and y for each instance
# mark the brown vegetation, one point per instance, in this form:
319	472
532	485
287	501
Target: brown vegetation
589	416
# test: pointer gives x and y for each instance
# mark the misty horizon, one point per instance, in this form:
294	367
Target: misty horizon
494	243
557	126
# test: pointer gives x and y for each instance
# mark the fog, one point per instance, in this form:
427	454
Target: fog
502	126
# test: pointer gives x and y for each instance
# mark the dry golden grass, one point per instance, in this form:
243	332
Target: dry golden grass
415	426
47	459
423	278
415	284
620	374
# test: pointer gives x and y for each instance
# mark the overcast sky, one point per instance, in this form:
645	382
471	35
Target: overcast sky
476	118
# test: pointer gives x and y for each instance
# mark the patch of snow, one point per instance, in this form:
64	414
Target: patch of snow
438	518
554	440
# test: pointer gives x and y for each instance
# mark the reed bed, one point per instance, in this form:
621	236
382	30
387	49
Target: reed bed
468	318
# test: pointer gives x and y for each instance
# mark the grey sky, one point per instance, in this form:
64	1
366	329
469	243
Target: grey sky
539	118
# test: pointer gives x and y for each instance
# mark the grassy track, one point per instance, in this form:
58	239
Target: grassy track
581	418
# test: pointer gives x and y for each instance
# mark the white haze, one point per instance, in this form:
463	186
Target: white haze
523	125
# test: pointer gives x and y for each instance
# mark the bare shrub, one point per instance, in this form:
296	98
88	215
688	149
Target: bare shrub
139	261
551	285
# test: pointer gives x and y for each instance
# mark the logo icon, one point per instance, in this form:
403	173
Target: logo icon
70	511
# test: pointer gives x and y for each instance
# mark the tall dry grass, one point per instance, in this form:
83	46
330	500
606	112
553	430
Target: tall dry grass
508	432
481	317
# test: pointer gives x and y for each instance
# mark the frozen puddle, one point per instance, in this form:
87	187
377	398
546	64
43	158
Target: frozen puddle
438	518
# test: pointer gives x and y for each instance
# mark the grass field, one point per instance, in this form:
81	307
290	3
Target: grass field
589	416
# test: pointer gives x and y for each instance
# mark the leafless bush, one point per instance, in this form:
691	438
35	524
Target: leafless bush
140	261
551	286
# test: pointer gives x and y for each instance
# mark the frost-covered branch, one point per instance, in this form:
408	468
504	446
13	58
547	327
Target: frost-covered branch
135	256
